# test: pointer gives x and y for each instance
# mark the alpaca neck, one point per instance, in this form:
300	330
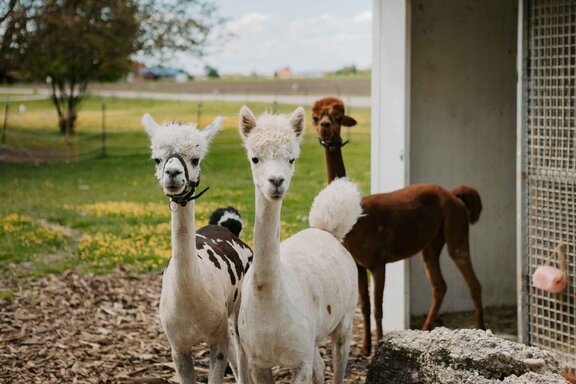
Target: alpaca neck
184	254
334	163
266	265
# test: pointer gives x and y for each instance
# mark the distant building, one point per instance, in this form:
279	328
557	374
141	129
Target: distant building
284	73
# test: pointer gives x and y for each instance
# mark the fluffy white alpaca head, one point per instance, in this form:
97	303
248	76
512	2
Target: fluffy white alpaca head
272	144
183	140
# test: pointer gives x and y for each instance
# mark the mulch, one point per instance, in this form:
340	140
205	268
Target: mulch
72	328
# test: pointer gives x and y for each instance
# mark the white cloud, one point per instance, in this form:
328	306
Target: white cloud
364	17
249	23
268	41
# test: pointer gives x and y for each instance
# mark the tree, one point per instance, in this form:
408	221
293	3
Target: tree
347	70
15	24
211	72
76	42
169	26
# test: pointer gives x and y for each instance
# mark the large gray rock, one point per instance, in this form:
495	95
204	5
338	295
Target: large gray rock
470	356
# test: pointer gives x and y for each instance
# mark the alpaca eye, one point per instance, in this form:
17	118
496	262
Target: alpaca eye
157	161
255	160
195	161
292	161
315	119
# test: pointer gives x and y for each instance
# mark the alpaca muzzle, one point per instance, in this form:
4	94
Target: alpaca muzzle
187	194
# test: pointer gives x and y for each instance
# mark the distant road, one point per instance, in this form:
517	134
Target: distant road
354	92
353	101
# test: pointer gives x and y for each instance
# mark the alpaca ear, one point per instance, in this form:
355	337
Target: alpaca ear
246	122
210	131
347	121
149	124
297	121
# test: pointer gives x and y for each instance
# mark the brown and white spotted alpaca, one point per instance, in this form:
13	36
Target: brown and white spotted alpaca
400	224
201	286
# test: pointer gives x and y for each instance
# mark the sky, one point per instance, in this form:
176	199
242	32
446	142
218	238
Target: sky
305	35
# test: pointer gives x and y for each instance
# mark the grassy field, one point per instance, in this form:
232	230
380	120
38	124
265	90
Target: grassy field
102	213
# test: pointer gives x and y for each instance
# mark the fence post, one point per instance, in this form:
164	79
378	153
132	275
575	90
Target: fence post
5	123
199	115
76	143
103	103
67	139
348	129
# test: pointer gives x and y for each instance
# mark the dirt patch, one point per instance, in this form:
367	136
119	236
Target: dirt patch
66	231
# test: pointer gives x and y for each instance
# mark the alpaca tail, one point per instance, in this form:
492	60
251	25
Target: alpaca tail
336	208
229	218
471	199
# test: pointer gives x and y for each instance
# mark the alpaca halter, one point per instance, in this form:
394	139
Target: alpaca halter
333	145
188	194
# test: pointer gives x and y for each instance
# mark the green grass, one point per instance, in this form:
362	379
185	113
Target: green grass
100	213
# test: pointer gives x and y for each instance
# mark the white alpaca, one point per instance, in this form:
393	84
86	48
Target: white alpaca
202	282
304	289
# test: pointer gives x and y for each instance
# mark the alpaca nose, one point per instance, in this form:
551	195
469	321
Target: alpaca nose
325	125
276	181
173	172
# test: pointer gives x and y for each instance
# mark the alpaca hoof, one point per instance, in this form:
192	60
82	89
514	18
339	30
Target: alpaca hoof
428	327
366	350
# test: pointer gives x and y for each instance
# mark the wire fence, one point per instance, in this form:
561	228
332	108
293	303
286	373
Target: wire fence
109	125
30	132
551	170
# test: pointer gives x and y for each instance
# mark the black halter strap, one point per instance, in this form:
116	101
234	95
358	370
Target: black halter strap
332	145
188	194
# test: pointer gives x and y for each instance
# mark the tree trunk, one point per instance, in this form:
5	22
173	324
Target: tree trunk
67	122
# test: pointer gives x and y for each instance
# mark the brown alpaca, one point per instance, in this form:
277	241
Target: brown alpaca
400	224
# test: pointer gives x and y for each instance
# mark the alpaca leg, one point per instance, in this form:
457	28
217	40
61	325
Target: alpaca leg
431	258
184	363
318	373
464	264
218	362
237	357
233	357
341	347
240	368
459	251
379	276
365	306
261	375
303	373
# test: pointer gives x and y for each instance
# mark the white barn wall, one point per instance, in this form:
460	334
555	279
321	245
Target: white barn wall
463	131
390	155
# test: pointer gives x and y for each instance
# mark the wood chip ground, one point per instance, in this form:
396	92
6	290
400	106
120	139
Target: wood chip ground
71	328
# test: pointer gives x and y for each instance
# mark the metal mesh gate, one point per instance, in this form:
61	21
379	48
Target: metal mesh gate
551	168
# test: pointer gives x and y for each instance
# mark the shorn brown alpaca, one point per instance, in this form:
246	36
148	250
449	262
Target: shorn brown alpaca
400	224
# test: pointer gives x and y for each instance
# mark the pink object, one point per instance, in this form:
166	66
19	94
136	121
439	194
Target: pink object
550	279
